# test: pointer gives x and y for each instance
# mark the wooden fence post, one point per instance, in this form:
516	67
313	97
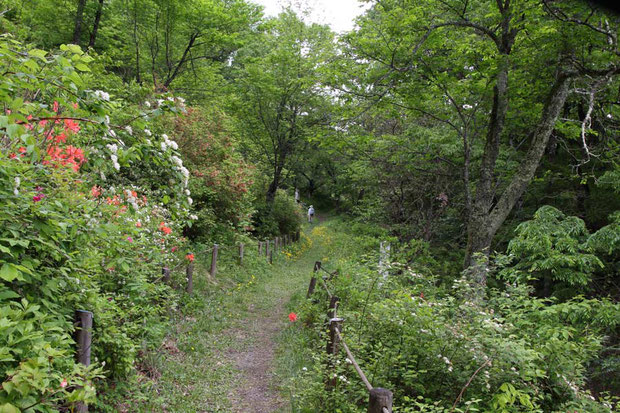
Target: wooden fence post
260	248
241	247
378	399
267	248
332	349
189	273
311	287
332	343
317	266
83	332
333	307
213	270
165	274
271	257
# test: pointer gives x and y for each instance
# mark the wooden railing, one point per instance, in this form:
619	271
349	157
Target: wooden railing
379	399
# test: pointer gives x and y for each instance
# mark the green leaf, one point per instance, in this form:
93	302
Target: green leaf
9	408
9	272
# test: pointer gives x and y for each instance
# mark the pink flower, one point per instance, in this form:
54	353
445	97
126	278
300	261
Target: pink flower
37	197
129	239
63	383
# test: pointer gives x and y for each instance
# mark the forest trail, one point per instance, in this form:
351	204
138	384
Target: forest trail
227	346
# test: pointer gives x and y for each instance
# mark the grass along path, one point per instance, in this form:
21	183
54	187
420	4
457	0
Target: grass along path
220	356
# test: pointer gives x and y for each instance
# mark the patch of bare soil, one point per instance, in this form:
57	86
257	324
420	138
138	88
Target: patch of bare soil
257	391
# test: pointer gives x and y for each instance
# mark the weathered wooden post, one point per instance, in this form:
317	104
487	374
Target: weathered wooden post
241	247
189	274
260	248
378	399
83	338
332	349
271	257
267	248
334	340
165	274
333	307
317	267
213	270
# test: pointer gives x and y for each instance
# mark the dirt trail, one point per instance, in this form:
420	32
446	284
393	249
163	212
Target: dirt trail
257	391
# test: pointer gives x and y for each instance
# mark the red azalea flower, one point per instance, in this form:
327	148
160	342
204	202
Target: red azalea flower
173	249
422	295
292	317
138	224
95	191
190	257
55	107
37	197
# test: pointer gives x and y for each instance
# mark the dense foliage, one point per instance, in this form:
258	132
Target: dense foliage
480	137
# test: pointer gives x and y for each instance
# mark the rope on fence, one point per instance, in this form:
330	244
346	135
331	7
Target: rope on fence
379	399
354	362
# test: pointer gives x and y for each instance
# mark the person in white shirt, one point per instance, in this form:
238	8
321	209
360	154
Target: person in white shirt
310	213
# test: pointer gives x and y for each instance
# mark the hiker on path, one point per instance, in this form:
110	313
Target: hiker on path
310	213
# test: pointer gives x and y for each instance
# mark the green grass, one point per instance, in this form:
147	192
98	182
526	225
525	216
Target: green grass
191	371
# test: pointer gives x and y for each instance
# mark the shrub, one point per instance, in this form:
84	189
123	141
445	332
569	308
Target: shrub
284	216
92	207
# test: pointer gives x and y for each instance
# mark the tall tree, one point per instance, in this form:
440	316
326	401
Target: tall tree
280	97
480	69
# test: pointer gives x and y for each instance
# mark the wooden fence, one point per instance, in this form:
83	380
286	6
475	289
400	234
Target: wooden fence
84	319
379	399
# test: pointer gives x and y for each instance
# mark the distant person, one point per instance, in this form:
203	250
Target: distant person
310	213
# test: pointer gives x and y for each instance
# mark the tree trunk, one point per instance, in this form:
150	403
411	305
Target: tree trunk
79	18
93	35
483	226
274	185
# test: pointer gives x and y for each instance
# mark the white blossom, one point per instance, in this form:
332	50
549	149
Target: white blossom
190	200
147	132
165	137
106	120
102	95
193	217
112	133
17	181
15	191
467	107
609	116
129	130
147	104
163	146
112	147
187	192
173	145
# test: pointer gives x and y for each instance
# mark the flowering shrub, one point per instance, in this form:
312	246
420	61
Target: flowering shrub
220	179
93	205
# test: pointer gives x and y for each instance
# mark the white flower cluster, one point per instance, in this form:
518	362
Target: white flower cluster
129	130
18	182
102	95
467	107
447	361
168	143
147	132
114	157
